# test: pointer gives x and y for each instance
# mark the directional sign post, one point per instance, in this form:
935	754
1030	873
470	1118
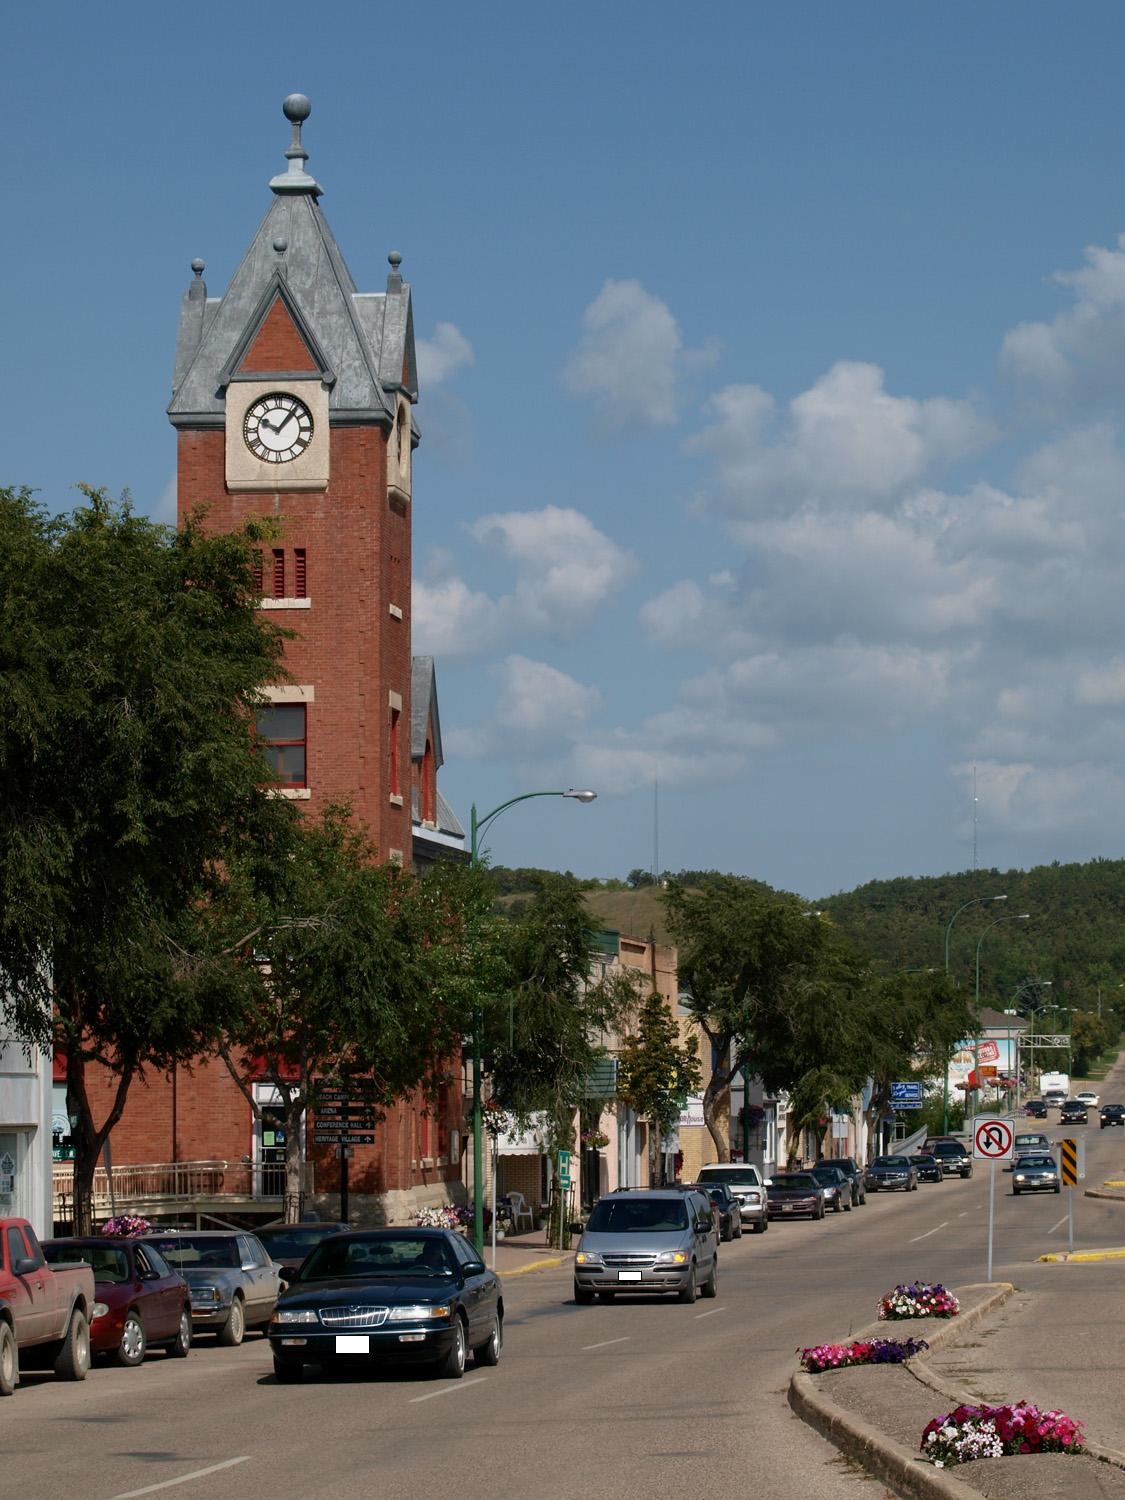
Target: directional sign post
993	1139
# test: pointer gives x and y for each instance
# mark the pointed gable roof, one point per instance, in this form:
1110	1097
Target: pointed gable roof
424	718
294	260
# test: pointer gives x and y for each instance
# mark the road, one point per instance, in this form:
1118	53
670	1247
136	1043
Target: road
633	1400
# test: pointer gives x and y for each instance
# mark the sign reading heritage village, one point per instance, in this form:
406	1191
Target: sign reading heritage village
345	1112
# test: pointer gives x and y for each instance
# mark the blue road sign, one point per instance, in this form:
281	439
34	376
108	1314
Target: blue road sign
906	1095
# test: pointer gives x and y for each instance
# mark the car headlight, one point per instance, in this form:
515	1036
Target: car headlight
588	1258
752	1199
295	1315
1020	1177
420	1312
671	1258
99	1309
206	1294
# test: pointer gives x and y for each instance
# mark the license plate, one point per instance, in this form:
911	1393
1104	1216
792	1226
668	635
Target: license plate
353	1343
787	1208
628	1276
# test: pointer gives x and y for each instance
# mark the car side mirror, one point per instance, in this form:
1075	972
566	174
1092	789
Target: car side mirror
25	1265
289	1273
473	1267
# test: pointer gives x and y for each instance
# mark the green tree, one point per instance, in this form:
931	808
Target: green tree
130	657
656	1071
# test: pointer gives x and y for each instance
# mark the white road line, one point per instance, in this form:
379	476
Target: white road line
1059	1225
943	1225
167	1484
964	1214
710	1313
447	1390
604	1344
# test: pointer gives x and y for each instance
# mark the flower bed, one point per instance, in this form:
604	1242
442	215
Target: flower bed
970	1432
860	1352
919	1300
447	1216
130	1225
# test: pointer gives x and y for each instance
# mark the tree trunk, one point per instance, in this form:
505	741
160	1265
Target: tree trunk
294	1195
717	1085
88	1138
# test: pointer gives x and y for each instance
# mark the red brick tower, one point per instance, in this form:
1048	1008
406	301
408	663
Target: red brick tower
292	397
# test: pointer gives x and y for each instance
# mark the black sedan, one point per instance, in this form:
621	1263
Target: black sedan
1072	1112
1036	1109
371	1296
791	1193
837	1188
852	1172
926	1166
1112	1114
890	1172
727	1206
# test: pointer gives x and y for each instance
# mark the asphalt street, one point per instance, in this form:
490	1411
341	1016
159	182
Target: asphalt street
637	1399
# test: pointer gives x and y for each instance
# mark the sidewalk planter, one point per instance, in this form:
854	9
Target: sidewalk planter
970	1432
823	1357
919	1300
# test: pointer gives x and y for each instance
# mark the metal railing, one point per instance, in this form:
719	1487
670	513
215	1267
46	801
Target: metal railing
149	1182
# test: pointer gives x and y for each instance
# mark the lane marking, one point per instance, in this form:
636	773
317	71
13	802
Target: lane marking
710	1313
943	1225
167	1484
964	1214
1059	1225
448	1390
604	1344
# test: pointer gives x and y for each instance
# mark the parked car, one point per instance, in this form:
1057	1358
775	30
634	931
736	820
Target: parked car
1112	1114
233	1283
926	1166
837	1188
370	1296
852	1172
1036	1172
730	1214
792	1193
886	1173
648	1240
1072	1112
1088	1098
955	1156
288	1244
44	1312
745	1182
1036	1109
139	1300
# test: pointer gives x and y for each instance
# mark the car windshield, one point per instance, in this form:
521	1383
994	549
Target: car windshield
946	1148
109	1262
827	1176
924	1159
192	1252
897	1163
1036	1161
293	1242
802	1182
386	1257
637	1216
738	1176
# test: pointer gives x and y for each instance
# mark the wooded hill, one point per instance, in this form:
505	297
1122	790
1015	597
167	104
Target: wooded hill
1074	938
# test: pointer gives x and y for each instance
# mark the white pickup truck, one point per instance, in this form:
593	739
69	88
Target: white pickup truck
746	1185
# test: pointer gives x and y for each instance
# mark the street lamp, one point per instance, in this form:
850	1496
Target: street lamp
477	826
1024	916
977	901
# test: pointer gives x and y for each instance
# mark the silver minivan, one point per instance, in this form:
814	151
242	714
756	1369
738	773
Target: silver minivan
648	1240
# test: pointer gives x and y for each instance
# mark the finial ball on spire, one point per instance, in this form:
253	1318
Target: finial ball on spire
395	260
197	266
296	108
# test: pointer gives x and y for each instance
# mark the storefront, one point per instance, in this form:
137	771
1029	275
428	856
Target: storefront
25	1135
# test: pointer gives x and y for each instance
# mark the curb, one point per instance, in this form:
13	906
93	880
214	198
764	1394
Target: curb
1058	1256
535	1265
1097	1193
878	1454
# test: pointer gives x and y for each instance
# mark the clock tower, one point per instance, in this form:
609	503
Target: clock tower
292	397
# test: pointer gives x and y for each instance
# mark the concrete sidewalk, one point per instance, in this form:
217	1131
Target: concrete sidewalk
517	1254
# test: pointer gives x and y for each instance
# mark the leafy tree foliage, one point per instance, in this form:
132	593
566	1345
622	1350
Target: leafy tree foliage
130	655
655	1070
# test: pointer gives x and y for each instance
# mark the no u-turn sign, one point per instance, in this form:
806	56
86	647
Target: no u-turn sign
992	1139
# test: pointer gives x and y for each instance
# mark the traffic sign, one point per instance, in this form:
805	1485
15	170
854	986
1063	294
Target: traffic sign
993	1138
564	1169
906	1095
339	1137
344	1112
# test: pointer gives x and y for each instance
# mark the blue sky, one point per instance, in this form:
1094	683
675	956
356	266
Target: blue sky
773	360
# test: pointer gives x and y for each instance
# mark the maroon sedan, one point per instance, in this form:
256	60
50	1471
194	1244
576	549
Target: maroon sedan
140	1299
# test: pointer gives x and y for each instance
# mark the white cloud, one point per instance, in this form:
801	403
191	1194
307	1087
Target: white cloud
566	570
1103	687
630	360
538	707
844	439
439	357
165	510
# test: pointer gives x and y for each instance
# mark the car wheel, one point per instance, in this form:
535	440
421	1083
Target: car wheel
738	1228
73	1360
968	1174
848	1206
727	1234
9	1361
1015	1192
710	1287
233	1330
760	1225
180	1345
1058	1189
131	1350
288	1371
453	1365
687	1291
583	1295
488	1353
819	1213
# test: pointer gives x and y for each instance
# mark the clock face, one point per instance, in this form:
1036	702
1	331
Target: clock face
278	428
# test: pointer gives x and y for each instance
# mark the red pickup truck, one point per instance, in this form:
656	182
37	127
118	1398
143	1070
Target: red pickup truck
44	1310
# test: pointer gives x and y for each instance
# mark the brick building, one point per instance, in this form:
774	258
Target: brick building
293	397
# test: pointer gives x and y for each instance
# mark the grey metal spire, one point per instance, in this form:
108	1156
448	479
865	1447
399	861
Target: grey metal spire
296	109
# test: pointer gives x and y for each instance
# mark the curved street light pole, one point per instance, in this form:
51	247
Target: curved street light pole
477	826
977	901
1023	916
